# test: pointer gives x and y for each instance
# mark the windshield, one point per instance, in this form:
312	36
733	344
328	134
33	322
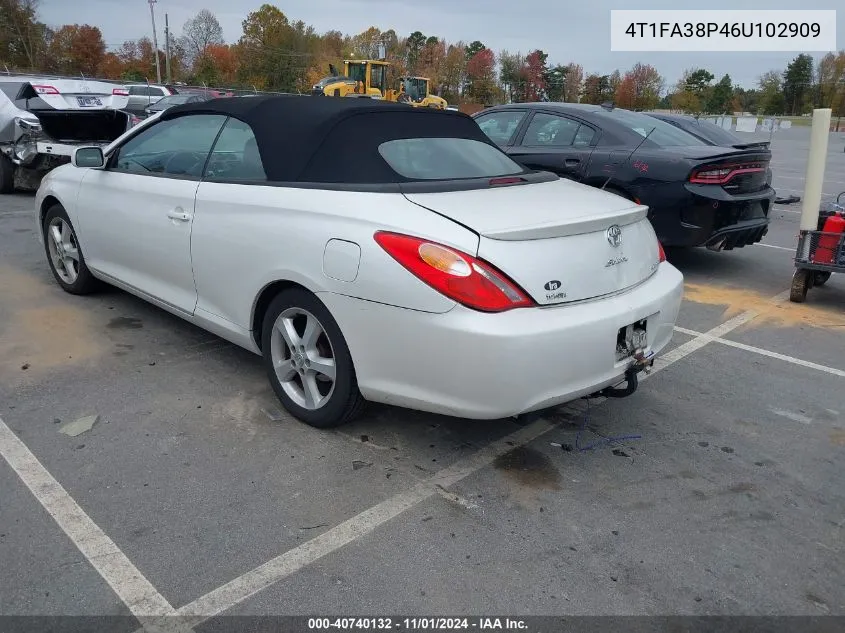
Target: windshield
446	159
663	134
358	72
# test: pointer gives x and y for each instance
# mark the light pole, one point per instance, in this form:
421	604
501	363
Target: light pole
155	40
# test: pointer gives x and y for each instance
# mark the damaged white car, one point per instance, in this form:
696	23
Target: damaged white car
43	120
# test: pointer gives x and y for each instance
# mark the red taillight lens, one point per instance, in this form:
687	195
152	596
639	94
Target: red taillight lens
461	277
661	254
45	90
120	92
720	174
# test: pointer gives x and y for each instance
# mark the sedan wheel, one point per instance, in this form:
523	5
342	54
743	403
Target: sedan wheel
307	360
303	358
65	255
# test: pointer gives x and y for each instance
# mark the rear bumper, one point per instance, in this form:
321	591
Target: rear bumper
488	366
709	216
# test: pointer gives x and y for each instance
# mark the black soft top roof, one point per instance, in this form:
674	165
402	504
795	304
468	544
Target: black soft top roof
332	139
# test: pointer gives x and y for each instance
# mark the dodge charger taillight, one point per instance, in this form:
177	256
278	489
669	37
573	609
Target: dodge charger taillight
461	277
721	174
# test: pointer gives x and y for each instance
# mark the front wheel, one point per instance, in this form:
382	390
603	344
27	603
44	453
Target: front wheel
65	254
308	362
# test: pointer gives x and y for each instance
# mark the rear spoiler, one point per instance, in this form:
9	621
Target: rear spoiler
758	145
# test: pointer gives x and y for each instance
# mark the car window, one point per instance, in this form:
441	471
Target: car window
584	136
446	159
235	155
658	132
550	131
500	126
176	147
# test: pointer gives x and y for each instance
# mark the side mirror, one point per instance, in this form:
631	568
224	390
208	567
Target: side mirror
88	157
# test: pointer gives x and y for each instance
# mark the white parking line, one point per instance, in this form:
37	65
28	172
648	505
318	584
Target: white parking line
236	591
782	248
136	592
764	352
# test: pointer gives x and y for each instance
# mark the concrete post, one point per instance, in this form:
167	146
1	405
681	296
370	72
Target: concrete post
814	180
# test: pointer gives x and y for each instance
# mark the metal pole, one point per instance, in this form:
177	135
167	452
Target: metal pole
815	173
167	48
155	40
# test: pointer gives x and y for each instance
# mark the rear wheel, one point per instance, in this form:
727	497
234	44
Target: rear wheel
308	362
800	285
7	174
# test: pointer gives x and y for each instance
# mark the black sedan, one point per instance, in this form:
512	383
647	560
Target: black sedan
698	194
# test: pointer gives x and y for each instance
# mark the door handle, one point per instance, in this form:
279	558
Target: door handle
571	162
178	215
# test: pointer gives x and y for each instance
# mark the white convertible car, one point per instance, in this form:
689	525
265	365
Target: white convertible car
369	251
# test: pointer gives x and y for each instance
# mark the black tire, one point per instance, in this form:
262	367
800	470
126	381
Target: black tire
345	401
84	283
7	175
800	285
820	277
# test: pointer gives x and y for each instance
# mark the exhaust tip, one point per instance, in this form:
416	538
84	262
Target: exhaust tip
717	245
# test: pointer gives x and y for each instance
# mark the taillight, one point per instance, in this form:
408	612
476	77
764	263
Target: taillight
120	92
720	174
461	277
45	90
661	254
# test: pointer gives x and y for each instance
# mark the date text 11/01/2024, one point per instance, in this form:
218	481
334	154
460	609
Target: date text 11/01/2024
416	624
725	29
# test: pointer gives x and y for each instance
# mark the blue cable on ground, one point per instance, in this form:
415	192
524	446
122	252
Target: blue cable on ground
602	442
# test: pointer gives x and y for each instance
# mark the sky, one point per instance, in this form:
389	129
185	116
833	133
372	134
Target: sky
568	30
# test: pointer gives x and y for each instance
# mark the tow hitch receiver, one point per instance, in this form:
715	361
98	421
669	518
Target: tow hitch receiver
642	362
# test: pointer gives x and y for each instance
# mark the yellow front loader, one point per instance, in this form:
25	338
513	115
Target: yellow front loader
368	78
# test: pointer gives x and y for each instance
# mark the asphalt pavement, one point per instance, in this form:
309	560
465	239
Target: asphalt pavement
193	493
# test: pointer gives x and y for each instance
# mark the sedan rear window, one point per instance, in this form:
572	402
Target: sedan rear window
659	132
446	159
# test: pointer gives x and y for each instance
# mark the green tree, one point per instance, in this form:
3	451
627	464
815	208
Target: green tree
473	49
721	96
23	38
415	44
510	65
771	93
798	84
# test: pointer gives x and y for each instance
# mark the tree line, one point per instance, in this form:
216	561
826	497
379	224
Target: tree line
277	53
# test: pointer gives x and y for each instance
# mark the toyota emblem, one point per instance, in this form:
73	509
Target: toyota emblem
614	235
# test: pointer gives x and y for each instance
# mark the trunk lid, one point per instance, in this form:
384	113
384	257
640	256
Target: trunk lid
555	239
89	126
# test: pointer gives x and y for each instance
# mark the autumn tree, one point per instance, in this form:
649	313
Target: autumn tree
597	89
76	49
431	62
640	88
218	65
198	33
830	79
481	76
533	77
472	49
453	72
138	60
573	83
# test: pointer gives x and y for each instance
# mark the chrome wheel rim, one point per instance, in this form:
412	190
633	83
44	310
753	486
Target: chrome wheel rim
303	358
64	251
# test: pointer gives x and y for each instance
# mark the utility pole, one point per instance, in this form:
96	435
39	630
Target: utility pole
155	40
167	48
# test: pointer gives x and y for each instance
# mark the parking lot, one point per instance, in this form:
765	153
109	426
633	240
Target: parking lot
194	494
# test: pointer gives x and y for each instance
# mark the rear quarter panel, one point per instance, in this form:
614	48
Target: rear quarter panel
246	237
